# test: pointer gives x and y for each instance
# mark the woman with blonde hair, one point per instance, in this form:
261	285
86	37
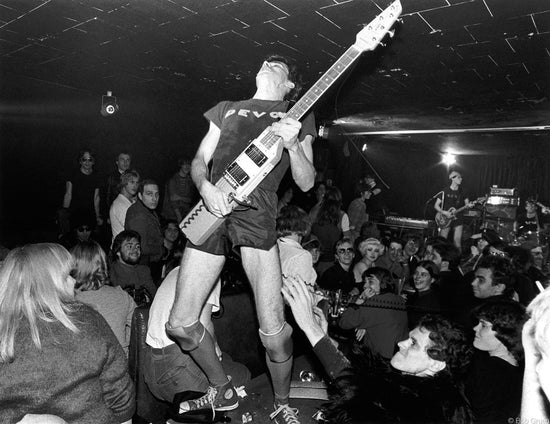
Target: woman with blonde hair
92	287
370	250
57	356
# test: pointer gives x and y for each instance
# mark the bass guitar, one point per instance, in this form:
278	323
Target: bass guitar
246	172
445	221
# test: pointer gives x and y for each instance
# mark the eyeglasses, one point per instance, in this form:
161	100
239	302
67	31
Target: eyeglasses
83	228
87	159
347	250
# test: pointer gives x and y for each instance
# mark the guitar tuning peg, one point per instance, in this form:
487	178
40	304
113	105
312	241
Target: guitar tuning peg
391	33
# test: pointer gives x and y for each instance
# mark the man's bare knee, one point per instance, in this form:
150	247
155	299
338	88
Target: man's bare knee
278	345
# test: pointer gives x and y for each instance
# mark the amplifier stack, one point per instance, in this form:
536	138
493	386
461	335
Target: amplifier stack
501	210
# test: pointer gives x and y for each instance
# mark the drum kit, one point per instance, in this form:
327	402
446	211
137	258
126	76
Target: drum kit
499	214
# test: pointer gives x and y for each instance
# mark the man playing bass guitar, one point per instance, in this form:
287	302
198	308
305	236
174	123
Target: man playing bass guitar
452	198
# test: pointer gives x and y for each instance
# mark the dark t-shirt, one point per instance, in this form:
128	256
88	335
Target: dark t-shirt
82	200
453	198
493	387
241	122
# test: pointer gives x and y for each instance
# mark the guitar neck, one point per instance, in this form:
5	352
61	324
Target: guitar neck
303	105
306	102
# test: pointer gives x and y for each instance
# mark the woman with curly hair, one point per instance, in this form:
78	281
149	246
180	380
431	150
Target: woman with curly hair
57	356
330	225
92	287
495	377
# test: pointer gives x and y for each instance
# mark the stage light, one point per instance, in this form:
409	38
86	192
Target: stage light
108	104
449	159
364	148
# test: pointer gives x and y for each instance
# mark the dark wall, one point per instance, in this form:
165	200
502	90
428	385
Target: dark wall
413	170
40	142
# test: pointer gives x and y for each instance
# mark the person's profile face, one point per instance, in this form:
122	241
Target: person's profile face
412	357
485	337
482	285
372	282
132	186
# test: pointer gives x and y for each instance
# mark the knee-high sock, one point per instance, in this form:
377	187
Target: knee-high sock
281	374
205	356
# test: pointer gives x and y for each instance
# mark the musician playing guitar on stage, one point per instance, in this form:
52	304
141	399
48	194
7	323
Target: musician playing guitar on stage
252	229
452	199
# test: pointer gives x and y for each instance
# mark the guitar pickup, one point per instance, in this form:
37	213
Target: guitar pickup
256	155
236	174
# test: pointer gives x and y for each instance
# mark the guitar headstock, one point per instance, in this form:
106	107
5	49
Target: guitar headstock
370	36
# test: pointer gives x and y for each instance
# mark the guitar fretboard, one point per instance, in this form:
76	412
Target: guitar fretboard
305	103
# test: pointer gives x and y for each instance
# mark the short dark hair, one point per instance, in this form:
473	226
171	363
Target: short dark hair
181	161
449	343
383	275
147	181
507	318
121	238
448	252
502	271
293	220
293	74
83	151
430	267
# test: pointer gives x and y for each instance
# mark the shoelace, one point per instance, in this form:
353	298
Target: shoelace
289	414
209	397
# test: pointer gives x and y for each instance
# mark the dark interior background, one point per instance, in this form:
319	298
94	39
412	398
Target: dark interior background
452	64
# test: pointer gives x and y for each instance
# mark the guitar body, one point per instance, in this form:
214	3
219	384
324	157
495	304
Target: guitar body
245	173
442	221
239	179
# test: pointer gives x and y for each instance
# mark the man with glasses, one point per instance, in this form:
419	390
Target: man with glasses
340	275
81	197
452	198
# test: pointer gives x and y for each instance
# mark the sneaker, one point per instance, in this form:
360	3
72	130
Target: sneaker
284	414
222	398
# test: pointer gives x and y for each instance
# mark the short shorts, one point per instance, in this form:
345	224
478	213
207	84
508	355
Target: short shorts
251	227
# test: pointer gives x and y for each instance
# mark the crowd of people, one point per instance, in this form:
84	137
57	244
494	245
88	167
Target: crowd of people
407	328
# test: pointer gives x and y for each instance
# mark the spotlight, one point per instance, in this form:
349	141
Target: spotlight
449	159
364	148
108	104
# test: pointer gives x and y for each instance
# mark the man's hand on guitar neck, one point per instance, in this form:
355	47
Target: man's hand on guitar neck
288	129
215	199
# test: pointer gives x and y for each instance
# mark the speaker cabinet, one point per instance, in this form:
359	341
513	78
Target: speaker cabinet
501	219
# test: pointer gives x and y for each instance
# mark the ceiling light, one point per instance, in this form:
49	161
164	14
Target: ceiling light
449	159
108	104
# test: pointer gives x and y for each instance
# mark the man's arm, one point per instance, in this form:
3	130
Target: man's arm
97	207
215	199
68	194
438	208
300	152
